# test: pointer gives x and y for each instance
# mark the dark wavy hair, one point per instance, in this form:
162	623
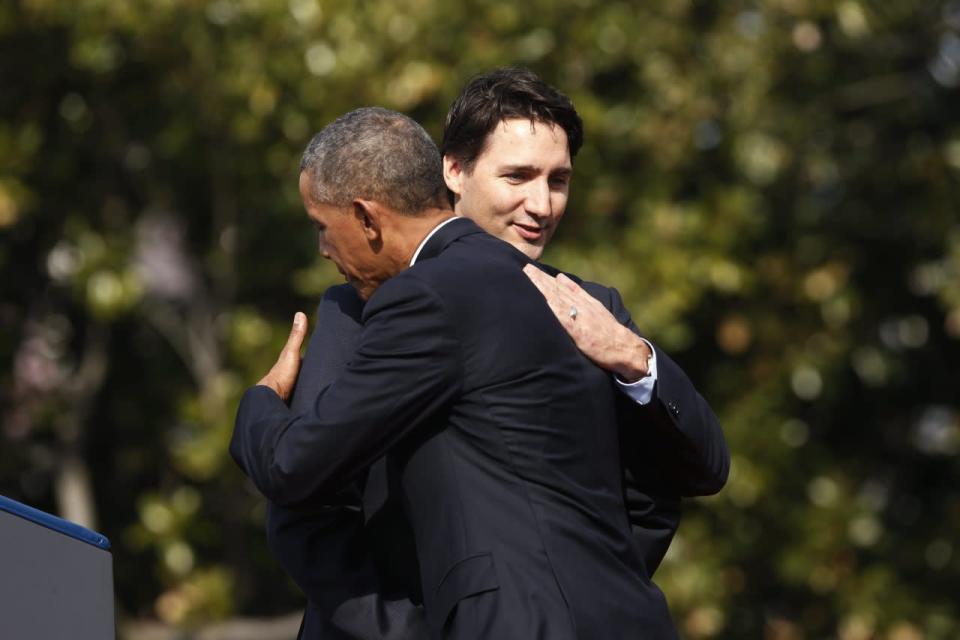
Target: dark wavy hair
505	94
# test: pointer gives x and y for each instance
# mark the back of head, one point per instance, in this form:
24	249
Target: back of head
505	94
375	154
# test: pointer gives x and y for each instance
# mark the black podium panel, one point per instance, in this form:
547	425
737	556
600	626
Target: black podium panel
56	578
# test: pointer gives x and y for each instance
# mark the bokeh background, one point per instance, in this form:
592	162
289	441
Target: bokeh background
772	184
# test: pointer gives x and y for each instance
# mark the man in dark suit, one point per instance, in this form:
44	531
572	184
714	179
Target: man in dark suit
352	555
502	434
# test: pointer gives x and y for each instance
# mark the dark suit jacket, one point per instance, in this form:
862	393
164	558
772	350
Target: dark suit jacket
505	441
354	556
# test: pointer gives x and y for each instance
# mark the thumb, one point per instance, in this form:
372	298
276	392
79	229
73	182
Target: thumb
283	374
538	277
297	334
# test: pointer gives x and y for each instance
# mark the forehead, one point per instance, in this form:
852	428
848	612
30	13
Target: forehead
304	185
519	141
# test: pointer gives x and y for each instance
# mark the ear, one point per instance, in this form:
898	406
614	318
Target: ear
369	215
453	171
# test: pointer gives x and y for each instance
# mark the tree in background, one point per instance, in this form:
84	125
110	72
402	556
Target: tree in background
773	186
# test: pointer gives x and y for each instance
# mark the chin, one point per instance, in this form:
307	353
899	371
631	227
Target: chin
533	251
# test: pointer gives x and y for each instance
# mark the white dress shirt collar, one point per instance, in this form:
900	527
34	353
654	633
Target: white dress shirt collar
416	253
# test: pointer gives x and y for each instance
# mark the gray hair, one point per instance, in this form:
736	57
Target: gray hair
376	154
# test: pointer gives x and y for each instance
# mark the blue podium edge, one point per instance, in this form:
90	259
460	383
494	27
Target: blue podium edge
44	519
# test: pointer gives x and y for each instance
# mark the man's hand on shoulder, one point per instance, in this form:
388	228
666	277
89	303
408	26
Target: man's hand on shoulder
594	330
283	375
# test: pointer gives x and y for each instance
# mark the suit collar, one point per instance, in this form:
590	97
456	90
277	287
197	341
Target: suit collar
443	235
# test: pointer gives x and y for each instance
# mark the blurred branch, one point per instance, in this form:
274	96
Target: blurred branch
192	338
72	484
74	491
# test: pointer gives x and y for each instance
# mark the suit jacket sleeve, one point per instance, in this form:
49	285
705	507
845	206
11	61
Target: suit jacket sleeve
692	457
327	545
320	544
406	370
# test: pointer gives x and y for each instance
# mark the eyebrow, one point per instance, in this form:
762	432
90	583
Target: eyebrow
529	168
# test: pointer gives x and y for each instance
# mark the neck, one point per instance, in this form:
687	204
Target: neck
415	229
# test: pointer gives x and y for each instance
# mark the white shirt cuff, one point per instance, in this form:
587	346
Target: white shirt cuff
641	391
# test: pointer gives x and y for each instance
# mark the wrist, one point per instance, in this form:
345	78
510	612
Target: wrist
272	384
635	363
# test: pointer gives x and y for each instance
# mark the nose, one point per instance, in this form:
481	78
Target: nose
538	199
322	248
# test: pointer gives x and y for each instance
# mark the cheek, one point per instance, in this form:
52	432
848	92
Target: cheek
504	202
560	201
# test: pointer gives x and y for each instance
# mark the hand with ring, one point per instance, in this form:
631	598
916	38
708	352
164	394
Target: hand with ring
594	330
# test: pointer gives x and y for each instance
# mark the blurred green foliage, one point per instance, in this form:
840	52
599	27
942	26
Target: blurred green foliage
773	185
